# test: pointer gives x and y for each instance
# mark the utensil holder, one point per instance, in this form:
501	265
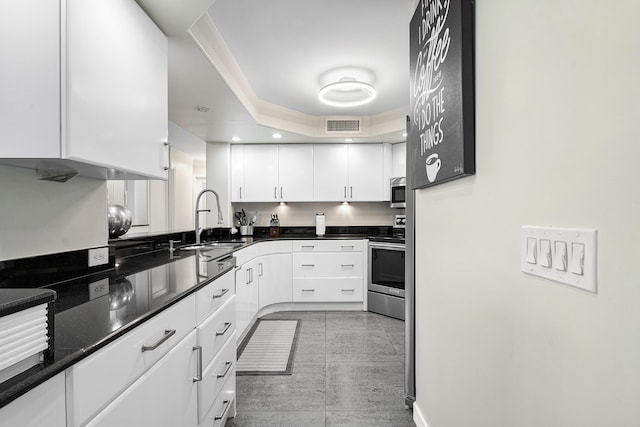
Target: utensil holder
246	230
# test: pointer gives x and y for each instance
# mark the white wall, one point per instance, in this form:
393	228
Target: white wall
42	217
218	175
558	143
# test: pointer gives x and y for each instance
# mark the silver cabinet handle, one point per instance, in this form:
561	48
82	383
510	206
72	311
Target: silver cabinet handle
351	192
275	192
168	333
251	275
247	276
226	371
345	191
221	294
308	246
348	290
198	376
308	265
308	290
240	192
261	270
227	325
350	247
225	406
348	265
281	193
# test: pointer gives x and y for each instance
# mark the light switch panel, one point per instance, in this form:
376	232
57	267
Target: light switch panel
565	255
532	251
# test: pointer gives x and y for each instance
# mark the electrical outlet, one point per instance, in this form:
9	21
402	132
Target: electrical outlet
98	256
98	289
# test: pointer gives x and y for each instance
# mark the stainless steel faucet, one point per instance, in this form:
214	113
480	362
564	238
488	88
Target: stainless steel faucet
197	222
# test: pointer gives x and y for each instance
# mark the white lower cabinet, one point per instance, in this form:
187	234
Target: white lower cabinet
219	374
328	271
166	395
275	279
247	301
42	406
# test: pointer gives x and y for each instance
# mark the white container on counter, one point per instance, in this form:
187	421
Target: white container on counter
320	226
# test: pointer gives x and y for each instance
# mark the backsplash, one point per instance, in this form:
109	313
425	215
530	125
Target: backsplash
336	214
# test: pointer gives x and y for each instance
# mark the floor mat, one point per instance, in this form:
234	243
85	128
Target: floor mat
269	348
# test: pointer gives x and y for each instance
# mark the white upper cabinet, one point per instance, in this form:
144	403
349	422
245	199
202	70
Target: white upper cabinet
261	173
272	173
295	173
84	82
399	168
354	172
330	172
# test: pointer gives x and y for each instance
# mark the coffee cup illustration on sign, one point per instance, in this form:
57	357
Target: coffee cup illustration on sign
433	164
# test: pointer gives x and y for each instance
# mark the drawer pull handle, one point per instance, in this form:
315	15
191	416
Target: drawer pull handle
350	247
221	294
348	265
198	376
308	290
227	325
348	290
225	406
308	265
168	333
308	246
226	371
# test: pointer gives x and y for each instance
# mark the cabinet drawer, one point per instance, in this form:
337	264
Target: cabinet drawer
328	246
214	295
224	405
214	332
328	290
327	265
215	376
96	380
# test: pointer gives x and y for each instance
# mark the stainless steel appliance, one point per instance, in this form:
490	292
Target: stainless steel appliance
386	278
398	192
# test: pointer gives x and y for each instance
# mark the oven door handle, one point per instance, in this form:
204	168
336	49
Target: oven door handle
383	245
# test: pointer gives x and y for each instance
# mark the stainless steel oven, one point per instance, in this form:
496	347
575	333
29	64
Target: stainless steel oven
386	278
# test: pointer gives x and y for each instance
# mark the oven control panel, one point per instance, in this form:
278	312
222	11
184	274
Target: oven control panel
400	221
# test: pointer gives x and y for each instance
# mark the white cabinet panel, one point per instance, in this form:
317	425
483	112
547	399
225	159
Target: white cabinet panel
247	297
78	95
327	265
42	406
328	246
275	279
399	156
366	172
295	172
328	290
330	172
214	332
165	396
224	405
115	366
237	173
216	374
261	173
214	295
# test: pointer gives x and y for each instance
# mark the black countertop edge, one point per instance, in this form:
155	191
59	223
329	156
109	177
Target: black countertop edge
14	300
22	383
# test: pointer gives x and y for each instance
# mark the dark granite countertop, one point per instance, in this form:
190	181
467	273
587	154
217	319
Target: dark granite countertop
94	310
14	300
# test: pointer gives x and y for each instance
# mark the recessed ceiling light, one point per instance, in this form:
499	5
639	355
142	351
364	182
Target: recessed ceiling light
235	138
348	92
201	109
348	140
276	136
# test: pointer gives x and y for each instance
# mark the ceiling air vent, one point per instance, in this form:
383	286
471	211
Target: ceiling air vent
342	126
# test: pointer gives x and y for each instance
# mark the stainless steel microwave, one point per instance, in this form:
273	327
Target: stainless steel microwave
398	191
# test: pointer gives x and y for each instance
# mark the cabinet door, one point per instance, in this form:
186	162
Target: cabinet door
399	160
42	406
261	173
366	172
30	79
166	395
330	172
295	172
116	87
237	173
246	296
275	279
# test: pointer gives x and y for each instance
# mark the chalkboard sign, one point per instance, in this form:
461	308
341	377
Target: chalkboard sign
440	125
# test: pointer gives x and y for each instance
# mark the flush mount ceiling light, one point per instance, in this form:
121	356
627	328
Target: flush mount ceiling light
201	109
348	92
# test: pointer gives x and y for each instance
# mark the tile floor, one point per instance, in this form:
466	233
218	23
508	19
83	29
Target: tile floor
348	371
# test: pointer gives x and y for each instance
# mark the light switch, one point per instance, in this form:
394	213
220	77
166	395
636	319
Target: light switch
560	256
577	258
545	253
531	250
564	255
